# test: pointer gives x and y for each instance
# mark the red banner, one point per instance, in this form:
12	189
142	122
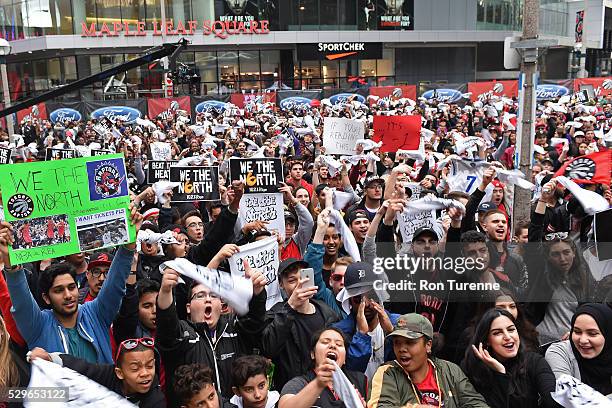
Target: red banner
166	107
240	99
397	132
38	111
601	86
407	91
593	168
481	91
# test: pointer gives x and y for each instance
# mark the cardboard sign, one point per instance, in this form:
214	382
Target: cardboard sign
258	175
59	154
5	155
104	126
397	132
263	207
340	135
159	170
62	207
263	256
198	183
409	222
161	151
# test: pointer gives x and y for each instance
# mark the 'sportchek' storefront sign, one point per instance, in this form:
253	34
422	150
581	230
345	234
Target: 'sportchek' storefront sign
339	50
219	28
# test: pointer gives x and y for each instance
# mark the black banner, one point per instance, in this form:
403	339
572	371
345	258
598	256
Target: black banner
99	152
197	183
258	175
159	170
5	155
333	51
59	154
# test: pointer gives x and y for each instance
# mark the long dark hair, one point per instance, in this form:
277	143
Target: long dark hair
479	373
317	335
579	278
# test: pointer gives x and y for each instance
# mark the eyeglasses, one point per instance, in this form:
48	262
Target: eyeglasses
97	272
337	278
556	235
204	295
196	224
131	344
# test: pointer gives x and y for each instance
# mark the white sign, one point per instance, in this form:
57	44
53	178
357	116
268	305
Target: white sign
266	207
409	222
161	151
340	135
80	390
263	256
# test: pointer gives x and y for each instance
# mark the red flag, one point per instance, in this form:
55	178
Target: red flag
593	168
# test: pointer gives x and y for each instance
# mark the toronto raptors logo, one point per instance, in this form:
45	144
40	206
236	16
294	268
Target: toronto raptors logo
108	180
581	169
20	206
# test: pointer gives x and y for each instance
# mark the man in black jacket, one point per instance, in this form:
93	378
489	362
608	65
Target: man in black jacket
207	337
133	375
291	324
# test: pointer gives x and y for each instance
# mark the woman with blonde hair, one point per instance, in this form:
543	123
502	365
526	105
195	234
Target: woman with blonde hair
10	376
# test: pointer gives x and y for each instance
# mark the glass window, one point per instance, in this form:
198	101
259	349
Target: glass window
386	66
178	10
249	70
480	11
329	15
347	15
330	73
206	66
367	68
152	12
132	11
270	67
62	16
228	71
109	12
70	69
308	14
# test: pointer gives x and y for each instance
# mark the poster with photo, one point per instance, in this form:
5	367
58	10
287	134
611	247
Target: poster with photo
61	207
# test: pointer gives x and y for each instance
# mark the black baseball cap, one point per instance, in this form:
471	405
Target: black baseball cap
289	216
289	262
359	274
421	231
486	206
355	215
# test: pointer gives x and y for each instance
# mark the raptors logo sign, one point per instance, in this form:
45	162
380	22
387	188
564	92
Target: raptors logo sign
590	169
107	179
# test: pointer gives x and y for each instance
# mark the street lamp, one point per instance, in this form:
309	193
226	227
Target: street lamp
5	49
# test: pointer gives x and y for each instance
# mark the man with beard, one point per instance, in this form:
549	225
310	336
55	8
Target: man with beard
367	322
97	270
78	330
208	336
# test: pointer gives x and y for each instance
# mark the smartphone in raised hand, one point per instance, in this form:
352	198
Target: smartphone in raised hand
307	273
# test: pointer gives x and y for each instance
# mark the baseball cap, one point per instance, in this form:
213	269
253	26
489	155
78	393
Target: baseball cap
579	133
421	231
372	180
355	215
486	206
359	274
289	262
412	326
101	259
289	216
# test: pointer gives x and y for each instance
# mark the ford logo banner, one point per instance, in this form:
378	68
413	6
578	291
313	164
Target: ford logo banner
343	98
62	115
113	113
550	91
295	102
211	106
443	95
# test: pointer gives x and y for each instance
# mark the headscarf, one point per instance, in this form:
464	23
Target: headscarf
596	372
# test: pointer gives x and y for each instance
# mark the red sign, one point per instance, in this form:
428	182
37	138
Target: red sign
397	132
38	111
405	91
219	28
481	91
240	99
601	86
166	107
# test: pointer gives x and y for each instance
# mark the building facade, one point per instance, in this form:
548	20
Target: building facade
252	45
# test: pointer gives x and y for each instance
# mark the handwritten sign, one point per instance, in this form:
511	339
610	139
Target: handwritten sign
62	207
263	207
263	256
159	170
198	183
5	155
409	222
340	135
161	151
258	175
59	154
397	132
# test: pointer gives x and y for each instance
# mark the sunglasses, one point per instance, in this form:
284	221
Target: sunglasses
337	278
131	344
556	235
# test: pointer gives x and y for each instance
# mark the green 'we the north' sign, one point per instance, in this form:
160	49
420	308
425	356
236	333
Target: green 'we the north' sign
62	207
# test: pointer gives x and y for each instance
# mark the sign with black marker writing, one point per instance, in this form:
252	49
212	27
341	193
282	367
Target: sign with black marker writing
258	175
340	135
198	183
5	155
59	154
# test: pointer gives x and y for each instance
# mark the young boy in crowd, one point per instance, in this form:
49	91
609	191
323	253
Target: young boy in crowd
251	385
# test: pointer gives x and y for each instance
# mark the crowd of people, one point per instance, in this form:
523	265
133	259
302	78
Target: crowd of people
149	333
